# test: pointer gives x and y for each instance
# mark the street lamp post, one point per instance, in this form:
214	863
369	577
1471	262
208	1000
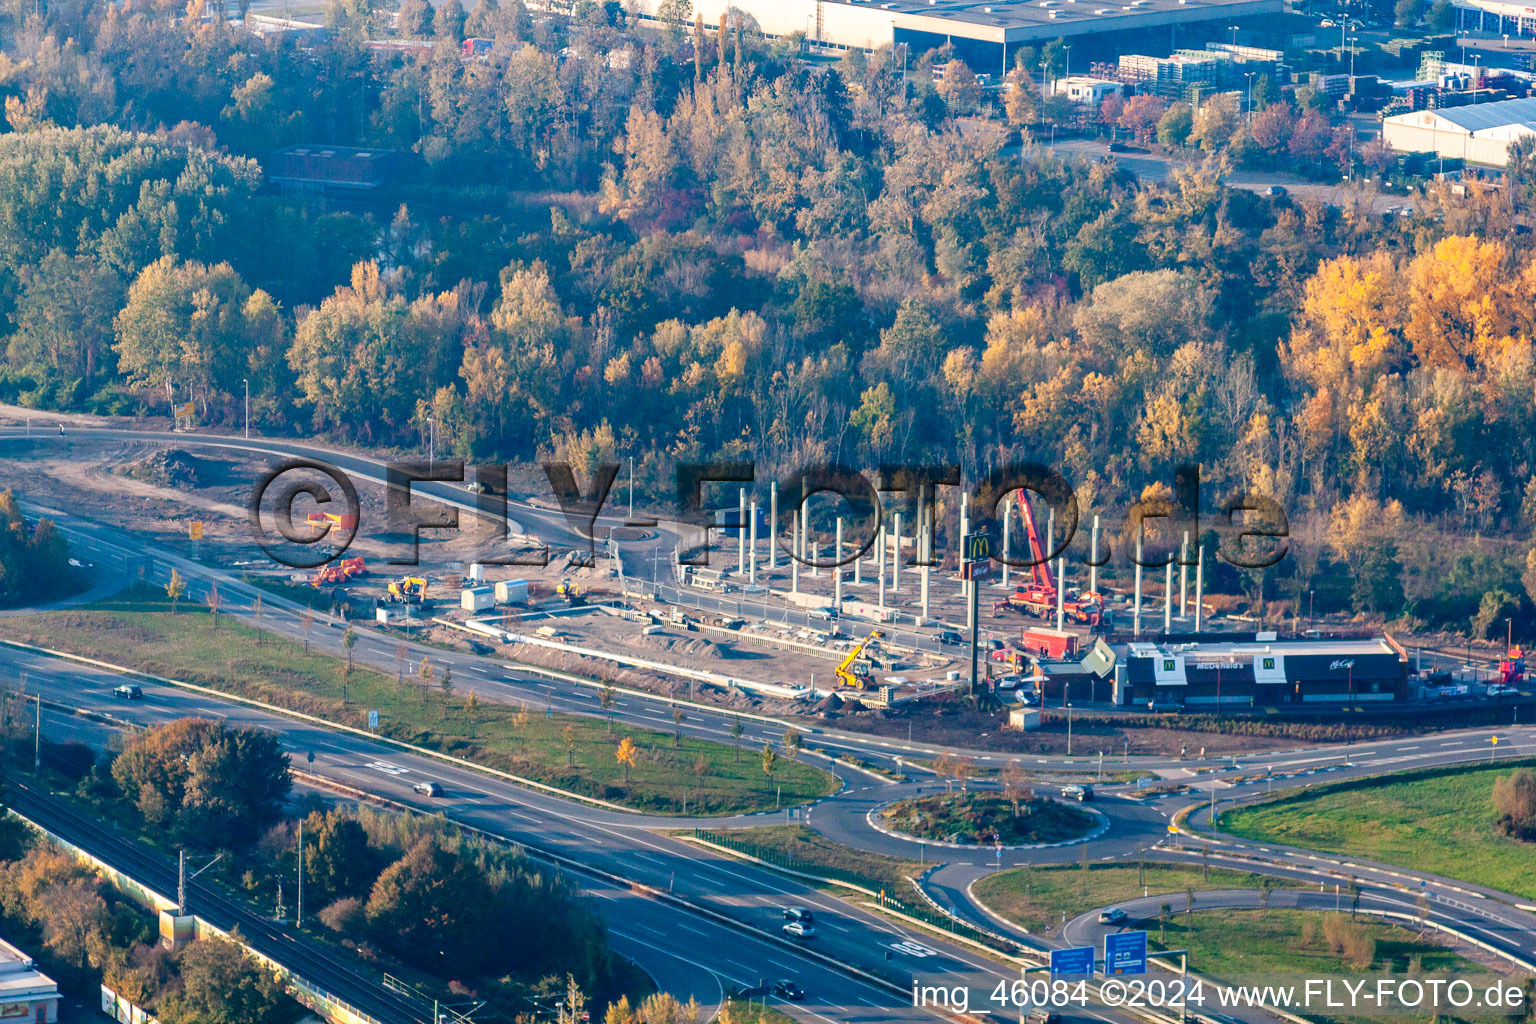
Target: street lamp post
431	443
1249	76
1234	34
247	383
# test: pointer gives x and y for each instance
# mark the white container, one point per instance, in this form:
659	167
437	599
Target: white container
477	599
512	592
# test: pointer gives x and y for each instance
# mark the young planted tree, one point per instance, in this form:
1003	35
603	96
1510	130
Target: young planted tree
213	601
770	761
256	607
401	654
472	712
349	641
1162	920
736	730
605	697
792	743
176	589
520	722
626	754
446	685
677	726
306	623
568	734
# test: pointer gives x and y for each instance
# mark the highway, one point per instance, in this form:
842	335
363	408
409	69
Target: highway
736	907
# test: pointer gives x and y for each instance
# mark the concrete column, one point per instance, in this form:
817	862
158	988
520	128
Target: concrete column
925	546
815	569
773	525
741	534
882	567
794	546
1061	591
1199	584
752	552
1007	528
837	586
1168	599
880	552
1093	569
965	529
896	559
1184	577
1136	605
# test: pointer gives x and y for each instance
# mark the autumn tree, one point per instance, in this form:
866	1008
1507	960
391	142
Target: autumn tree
176	589
627	754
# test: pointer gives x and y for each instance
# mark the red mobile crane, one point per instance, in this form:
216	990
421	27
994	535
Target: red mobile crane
1039	597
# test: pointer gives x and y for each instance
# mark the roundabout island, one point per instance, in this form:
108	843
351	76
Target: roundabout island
985	819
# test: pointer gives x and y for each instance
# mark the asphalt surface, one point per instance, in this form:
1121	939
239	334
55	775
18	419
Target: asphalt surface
693	952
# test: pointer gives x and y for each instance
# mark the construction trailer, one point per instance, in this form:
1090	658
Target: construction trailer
477	599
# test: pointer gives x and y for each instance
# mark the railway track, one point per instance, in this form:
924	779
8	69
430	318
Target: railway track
319	968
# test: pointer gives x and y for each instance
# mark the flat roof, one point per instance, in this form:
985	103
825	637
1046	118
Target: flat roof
1371	645
1479	116
1014	14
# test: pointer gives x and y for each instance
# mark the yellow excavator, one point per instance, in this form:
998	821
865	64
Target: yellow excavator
853	672
570	593
408	590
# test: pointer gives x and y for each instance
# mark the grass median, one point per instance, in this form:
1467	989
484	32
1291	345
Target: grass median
1036	898
1437	820
806	850
577	753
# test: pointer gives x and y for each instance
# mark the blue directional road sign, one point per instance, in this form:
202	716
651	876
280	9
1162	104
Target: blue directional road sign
1075	960
1125	953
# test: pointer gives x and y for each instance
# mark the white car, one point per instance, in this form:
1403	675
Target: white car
799	929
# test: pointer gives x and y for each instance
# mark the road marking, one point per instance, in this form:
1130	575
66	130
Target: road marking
387	768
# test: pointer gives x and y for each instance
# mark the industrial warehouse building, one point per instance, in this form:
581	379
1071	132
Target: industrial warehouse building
26	994
1495	16
984	35
1478	134
1260	671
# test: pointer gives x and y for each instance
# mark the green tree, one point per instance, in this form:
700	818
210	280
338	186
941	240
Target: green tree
415	19
736	730
218	983
338	861
448	23
1174	126
176	589
1378	581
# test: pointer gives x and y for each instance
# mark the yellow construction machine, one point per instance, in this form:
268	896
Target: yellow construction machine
408	590
853	672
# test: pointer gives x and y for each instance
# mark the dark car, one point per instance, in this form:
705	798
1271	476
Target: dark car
996	645
950	638
1275	191
127	692
799	914
428	789
786	989
1112	916
1119	147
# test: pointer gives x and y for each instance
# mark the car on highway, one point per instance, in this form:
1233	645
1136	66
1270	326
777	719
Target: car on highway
800	914
428	789
1078	793
127	692
786	989
1042	1016
1112	916
1502	690
799	930
950	638
825	614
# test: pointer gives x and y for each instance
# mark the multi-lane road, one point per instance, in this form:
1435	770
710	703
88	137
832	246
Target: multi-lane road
705	924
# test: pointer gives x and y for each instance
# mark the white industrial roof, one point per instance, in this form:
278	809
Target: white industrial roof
1482	116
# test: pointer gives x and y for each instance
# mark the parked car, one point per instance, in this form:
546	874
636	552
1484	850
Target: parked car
798	930
1029	698
1275	191
1009	682
127	692
1119	147
786	989
428	789
1114	916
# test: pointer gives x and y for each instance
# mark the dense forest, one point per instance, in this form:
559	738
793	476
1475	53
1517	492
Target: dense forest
674	240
